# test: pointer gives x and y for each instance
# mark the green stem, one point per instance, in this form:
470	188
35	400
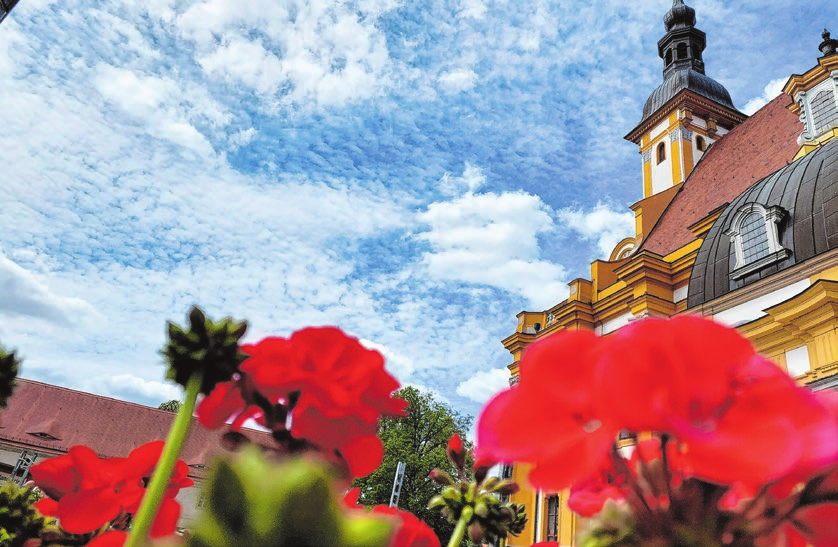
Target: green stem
462	524
168	459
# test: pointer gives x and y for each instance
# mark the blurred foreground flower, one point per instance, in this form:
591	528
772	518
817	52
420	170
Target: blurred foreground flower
318	389
723	423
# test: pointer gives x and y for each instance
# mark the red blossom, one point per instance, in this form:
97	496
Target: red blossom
334	388
411	531
86	492
734	415
549	419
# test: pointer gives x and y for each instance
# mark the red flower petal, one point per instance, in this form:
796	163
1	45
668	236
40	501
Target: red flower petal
56	476
165	523
363	455
351	498
114	538
87	511
47	507
680	367
223	402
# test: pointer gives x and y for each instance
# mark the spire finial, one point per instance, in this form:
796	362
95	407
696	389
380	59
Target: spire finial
679	15
829	46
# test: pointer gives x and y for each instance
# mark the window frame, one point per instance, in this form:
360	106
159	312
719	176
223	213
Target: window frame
772	216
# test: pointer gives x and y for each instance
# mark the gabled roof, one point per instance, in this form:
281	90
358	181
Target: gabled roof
54	419
761	145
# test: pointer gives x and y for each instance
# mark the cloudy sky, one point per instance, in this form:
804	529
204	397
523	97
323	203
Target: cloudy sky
416	172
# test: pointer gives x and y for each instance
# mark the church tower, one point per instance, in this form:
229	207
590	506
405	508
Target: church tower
687	112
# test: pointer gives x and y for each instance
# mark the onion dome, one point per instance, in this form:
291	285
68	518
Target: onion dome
680	15
681	49
680	80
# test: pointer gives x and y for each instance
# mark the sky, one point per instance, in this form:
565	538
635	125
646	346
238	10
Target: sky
414	171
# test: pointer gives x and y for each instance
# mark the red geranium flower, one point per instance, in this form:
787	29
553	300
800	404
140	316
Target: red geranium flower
86	492
410	531
550	418
334	389
734	415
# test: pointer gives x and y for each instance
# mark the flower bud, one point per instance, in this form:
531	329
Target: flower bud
481	469
441	478
475	533
456	452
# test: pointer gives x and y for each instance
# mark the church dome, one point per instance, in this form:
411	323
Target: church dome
686	78
799	220
680	14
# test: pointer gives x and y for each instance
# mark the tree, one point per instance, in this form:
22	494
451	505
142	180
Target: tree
171	406
419	440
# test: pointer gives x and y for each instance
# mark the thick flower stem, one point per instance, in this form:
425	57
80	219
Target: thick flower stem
157	487
462	524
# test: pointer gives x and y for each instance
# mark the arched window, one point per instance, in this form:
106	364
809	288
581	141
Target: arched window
682	51
668	57
700	143
754	238
661	153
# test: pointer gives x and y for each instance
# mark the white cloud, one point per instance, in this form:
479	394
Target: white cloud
772	89
247	62
132	386
312	53
492	239
483	385
458	80
243	137
162	104
472	179
475	9
603	225
398	365
22	293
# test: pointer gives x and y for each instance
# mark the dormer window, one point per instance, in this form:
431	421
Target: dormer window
754	238
824	111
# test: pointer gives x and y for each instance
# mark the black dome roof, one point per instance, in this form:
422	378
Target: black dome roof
686	78
807	191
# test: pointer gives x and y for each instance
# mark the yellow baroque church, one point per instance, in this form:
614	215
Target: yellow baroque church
738	222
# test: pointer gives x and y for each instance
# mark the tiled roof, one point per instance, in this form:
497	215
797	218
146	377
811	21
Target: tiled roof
54	419
762	144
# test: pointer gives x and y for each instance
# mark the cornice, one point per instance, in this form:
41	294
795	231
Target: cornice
728	117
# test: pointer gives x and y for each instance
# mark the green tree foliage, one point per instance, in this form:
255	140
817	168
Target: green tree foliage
419	440
171	406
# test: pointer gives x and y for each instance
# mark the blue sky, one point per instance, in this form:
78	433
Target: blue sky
415	172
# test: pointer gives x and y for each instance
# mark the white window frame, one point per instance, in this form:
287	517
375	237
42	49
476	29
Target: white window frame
772	216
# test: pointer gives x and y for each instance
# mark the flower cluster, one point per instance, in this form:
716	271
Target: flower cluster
478	506
319	387
729	424
86	493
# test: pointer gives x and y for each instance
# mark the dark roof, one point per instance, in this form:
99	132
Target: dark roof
54	419
680	80
762	144
807	192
